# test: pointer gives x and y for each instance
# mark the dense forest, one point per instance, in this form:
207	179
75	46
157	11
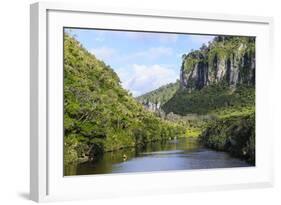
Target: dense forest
154	99
213	100
216	96
99	115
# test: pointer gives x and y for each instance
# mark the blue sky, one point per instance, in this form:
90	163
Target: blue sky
143	61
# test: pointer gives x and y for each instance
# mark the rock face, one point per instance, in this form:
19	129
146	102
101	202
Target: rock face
151	105
230	60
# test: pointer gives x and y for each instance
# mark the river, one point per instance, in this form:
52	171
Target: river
181	154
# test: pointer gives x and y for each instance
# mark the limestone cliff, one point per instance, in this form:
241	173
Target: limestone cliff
226	59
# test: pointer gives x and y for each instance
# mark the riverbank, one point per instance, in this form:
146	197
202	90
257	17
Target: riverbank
99	114
233	134
89	157
176	154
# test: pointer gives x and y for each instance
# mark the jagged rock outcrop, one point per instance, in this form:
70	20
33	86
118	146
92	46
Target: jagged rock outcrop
151	105
227	59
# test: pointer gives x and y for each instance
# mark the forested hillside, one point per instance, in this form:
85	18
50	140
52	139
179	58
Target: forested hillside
213	100
217	81
155	99
99	115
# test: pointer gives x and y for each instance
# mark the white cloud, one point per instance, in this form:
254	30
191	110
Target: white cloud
103	53
141	78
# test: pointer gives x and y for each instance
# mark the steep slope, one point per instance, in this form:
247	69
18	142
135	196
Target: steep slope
218	76
99	115
155	99
218	82
211	99
229	60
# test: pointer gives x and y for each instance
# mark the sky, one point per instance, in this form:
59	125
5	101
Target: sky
144	61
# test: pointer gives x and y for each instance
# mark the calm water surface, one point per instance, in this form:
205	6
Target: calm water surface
182	154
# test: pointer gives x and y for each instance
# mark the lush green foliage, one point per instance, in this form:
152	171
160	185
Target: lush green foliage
193	123
225	46
211	99
229	123
221	46
99	115
160	95
218	62
235	134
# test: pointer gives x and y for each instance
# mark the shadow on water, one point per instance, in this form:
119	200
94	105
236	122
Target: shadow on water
182	154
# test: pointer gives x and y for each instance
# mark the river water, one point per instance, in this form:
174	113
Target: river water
181	154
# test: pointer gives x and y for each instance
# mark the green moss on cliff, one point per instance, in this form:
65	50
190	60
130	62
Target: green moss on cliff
223	58
216	100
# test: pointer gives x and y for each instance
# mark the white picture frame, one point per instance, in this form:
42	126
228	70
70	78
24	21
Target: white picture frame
47	182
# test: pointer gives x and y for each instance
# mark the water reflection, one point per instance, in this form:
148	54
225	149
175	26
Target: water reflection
179	154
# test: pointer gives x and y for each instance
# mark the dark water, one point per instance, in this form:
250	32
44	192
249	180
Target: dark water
182	154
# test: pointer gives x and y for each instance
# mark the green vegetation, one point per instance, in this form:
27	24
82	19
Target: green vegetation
193	123
225	46
160	95
234	134
227	59
211	100
190	60
229	123
216	97
99	115
221	47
